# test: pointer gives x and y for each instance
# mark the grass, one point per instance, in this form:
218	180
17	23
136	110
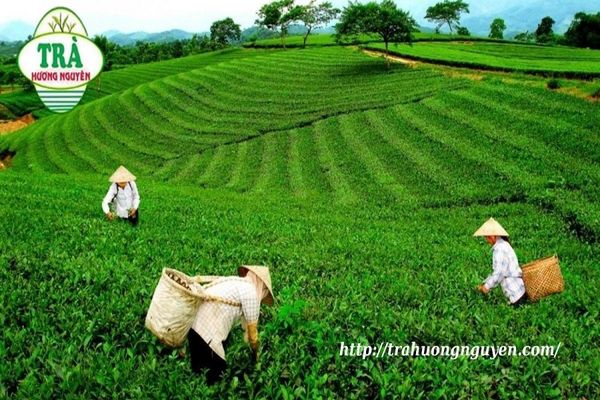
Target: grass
333	268
21	102
547	60
175	118
192	127
122	79
360	187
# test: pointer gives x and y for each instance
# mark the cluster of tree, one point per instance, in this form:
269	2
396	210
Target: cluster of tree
497	28
10	75
279	15
222	34
448	13
525	37
584	31
384	19
543	34
367	18
394	25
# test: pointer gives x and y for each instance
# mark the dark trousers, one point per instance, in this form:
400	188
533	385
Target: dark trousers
133	219
524	299
204	358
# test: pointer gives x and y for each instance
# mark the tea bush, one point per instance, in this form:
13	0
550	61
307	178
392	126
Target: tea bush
359	187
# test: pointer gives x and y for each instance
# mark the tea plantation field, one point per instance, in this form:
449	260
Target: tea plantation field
547	60
359	186
121	79
328	39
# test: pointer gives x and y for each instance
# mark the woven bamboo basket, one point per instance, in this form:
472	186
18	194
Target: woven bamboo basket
174	306
542	278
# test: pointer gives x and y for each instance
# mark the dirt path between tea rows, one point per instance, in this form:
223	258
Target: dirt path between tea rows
391	57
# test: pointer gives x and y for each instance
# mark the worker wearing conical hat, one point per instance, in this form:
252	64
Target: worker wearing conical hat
215	320
506	270
123	195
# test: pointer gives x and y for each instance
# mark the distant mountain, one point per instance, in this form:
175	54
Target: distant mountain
126	39
294	29
525	16
9	49
426	29
110	33
256	32
15	30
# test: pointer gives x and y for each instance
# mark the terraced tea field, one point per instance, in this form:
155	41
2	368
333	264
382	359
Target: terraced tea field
559	61
326	39
172	120
359	186
121	79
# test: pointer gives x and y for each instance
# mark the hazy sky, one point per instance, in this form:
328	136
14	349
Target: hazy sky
196	16
190	15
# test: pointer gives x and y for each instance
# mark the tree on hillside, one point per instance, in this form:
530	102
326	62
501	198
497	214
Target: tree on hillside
525	37
11	78
225	31
497	28
463	31
544	33
385	19
277	16
316	15
177	49
584	31
198	44
447	13
107	48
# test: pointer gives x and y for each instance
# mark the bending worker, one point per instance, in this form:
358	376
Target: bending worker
506	270
215	320
123	193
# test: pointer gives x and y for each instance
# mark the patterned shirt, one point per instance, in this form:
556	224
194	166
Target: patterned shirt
506	272
214	320
124	199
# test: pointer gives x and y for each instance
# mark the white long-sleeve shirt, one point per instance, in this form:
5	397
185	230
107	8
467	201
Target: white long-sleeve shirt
124	199
215	320
506	272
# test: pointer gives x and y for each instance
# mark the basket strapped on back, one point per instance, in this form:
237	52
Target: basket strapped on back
207	297
199	290
175	303
542	278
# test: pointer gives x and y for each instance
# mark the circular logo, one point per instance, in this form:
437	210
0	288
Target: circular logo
60	60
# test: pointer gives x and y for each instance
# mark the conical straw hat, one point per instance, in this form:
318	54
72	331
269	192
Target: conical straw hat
121	175
491	227
264	275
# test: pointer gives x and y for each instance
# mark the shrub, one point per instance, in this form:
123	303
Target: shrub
462	31
553	84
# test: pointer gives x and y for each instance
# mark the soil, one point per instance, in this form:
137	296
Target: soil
392	58
19	123
479	74
6	159
595	97
476	76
